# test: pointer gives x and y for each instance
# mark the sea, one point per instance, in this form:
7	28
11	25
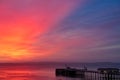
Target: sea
44	71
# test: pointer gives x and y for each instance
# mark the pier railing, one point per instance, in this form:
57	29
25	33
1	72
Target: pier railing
95	75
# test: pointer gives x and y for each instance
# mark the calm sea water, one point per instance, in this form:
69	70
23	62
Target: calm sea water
34	72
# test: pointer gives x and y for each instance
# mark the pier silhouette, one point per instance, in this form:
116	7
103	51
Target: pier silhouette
84	74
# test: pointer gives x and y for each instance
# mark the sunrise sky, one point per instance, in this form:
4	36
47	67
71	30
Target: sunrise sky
60	30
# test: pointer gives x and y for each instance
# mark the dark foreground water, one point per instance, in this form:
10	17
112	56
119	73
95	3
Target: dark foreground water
37	71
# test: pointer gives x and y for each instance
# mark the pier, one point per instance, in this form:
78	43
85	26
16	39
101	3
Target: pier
99	74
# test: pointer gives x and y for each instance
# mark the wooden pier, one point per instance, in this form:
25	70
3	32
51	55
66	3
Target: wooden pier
100	74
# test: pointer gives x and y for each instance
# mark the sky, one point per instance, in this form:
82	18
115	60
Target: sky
60	30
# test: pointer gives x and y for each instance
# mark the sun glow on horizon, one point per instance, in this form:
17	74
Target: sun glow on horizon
21	27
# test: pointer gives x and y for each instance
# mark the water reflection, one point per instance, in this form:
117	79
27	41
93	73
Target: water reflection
26	75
